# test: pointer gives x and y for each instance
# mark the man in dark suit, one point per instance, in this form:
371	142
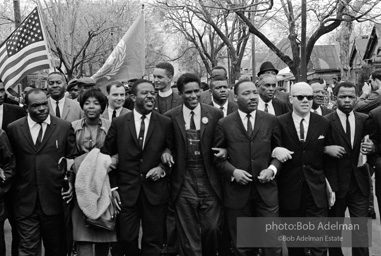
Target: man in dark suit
59	105
39	141
347	131
249	186
140	138
7	165
318	87
266	101
302	181
218	72
196	188
8	112
116	95
166	99
220	96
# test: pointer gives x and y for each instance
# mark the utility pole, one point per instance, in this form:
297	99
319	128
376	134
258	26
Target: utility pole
303	44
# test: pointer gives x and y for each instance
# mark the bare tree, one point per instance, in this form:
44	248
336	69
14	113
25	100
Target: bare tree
210	29
324	17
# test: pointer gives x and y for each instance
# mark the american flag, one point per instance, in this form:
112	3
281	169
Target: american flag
24	52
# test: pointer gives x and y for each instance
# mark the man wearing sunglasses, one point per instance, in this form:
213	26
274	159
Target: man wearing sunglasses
371	96
301	182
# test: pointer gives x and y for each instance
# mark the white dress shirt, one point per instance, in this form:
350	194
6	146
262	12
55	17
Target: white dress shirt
343	120
270	107
110	112
318	111
34	127
138	121
225	106
196	117
61	104
243	117
306	123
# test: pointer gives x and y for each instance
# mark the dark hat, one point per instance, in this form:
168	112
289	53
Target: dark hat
267	66
87	81
73	82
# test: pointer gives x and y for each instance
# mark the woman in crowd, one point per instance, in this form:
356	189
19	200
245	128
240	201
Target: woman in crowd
90	133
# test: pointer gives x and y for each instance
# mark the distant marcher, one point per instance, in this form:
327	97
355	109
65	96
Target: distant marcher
73	89
318	88
116	96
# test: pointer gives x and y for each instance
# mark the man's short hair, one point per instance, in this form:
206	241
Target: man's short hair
169	70
134	87
215	79
263	76
345	84
187	78
236	86
94	93
376	74
58	73
33	90
110	84
222	68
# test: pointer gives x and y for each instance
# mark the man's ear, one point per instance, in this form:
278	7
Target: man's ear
133	97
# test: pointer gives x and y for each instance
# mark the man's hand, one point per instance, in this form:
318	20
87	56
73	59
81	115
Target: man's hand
116	198
367	147
282	154
334	151
220	153
265	175
155	173
242	177
67	195
167	158
367	88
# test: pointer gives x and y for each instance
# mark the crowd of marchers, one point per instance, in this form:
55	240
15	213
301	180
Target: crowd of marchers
151	168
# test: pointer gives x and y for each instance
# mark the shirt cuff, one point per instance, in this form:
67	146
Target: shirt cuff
115	188
275	170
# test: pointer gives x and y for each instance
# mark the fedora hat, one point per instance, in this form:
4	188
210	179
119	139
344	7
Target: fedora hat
267	66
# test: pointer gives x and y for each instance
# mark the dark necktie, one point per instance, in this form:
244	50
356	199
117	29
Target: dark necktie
58	114
301	130
222	109
249	126
266	107
192	123
39	137
113	114
348	130
141	133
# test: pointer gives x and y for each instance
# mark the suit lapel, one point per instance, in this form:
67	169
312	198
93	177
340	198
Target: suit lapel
358	130
48	132
276	107
179	119
311	128
257	124
5	116
66	109
336	123
204	114
291	129
131	127
26	133
238	122
151	127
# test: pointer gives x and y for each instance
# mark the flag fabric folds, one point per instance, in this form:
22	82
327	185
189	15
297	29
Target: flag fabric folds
127	60
24	52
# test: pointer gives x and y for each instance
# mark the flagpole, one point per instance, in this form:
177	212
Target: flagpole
39	8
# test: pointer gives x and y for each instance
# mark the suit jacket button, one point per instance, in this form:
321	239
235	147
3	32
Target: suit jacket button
141	175
141	160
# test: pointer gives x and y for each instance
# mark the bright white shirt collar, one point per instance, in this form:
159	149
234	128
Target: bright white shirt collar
110	110
225	105
342	114
138	116
260	101
243	115
31	122
61	103
165	94
297	118
318	110
196	110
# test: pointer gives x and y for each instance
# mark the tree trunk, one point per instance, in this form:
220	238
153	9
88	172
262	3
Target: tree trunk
344	40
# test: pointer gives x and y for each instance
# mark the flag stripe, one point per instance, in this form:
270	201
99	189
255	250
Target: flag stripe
40	62
25	51
20	76
10	65
4	64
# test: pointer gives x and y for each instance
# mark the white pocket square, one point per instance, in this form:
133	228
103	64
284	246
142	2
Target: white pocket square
321	137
